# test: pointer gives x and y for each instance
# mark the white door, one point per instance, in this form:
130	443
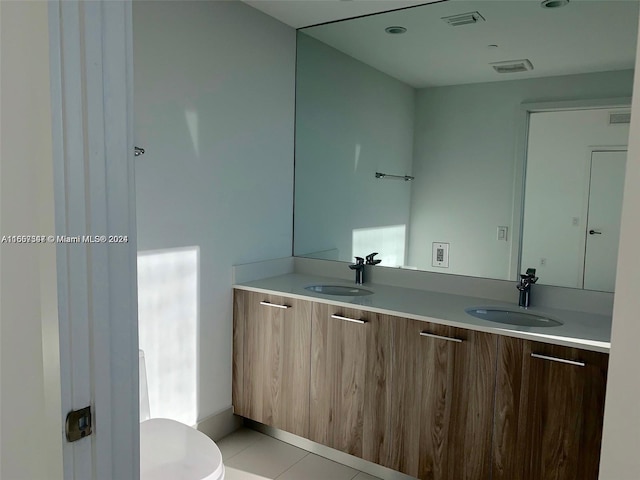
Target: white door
91	52
603	221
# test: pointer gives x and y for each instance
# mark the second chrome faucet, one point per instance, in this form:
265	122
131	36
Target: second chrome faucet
360	265
524	286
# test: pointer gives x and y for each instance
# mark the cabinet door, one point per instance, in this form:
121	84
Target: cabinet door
350	369
442	409
549	412
237	365
276	361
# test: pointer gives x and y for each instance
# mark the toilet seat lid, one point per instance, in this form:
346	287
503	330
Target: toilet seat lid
170	450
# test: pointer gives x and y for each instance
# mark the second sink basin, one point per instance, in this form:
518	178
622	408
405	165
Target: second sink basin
341	290
508	316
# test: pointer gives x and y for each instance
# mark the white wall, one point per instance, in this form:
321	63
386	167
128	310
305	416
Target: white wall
214	109
465	147
351	121
30	438
621	436
557	190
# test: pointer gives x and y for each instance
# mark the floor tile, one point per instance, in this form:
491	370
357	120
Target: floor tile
239	440
313	467
365	476
267	457
235	474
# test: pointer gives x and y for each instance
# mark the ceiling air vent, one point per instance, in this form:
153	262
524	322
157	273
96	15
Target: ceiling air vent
619	118
464	19
512	66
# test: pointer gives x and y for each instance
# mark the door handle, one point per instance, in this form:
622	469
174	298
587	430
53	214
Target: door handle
556	359
275	305
347	319
440	337
594	232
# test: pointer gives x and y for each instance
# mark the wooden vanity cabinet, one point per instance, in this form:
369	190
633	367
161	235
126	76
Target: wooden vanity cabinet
428	400
442	405
271	361
350	392
548	416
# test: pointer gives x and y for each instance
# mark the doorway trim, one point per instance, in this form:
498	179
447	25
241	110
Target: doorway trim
522	142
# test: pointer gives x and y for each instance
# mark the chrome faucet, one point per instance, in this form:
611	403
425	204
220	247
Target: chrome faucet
524	285
370	259
360	265
359	268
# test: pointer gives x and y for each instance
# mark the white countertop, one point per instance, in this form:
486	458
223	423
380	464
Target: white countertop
580	330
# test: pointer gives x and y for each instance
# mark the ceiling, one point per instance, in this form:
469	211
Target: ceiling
303	13
584	36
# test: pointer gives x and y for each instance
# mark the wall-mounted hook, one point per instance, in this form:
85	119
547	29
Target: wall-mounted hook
137	151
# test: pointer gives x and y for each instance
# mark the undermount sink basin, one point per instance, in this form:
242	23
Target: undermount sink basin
519	318
341	290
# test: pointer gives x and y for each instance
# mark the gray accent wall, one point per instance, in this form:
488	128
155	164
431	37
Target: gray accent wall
214	110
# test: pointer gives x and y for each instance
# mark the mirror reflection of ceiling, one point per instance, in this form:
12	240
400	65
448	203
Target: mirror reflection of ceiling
303	13
581	37
428	104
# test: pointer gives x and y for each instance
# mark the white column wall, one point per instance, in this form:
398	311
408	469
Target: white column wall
30	434
621	438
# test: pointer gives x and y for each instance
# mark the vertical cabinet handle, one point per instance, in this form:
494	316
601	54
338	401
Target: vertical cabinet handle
440	337
559	360
347	319
274	305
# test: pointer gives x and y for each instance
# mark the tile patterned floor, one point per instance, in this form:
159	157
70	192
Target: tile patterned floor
250	455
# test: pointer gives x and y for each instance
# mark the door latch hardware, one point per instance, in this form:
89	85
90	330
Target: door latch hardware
78	424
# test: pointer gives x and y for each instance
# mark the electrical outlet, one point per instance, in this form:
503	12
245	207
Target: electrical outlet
440	255
543	262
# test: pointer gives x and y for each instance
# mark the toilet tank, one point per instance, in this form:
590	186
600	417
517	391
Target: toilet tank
145	413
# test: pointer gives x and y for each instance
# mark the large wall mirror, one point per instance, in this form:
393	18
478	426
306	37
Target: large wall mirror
467	137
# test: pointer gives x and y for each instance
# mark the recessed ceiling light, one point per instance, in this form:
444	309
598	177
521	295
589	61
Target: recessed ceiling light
395	30
554	3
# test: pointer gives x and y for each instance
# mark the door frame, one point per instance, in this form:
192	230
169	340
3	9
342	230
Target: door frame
91	50
522	144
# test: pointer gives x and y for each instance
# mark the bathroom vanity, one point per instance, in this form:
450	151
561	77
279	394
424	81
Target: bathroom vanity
408	380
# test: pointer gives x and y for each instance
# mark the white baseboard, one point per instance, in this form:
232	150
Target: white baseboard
220	425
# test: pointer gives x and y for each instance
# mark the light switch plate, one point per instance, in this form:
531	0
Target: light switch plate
503	233
440	255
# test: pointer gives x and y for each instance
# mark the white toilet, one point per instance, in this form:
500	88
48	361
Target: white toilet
171	450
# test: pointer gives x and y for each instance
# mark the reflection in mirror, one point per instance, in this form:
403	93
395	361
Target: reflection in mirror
431	104
575	177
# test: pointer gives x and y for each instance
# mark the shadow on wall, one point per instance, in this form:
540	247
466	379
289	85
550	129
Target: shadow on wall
168	321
